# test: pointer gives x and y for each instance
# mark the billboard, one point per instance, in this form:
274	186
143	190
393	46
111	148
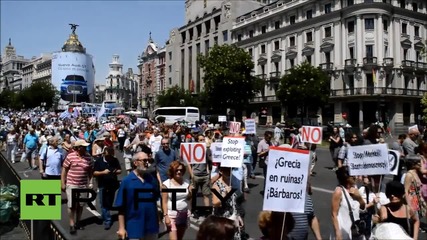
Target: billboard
73	74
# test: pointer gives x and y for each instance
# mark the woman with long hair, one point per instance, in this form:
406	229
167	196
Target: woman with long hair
12	142
413	185
216	228
335	144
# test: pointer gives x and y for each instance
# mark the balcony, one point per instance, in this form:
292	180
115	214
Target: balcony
327	67
374	91
350	64
370	63
388	63
262	76
264	99
275	76
408	65
420	67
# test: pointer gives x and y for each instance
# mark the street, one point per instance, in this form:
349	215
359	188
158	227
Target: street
323	184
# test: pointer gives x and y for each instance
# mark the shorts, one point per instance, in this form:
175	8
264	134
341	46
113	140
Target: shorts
68	191
31	153
128	165
203	182
178	218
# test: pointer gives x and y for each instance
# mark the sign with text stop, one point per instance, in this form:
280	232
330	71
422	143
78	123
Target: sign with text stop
311	134
193	153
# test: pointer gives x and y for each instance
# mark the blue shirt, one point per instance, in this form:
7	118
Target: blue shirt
53	159
142	220
31	141
163	160
247	158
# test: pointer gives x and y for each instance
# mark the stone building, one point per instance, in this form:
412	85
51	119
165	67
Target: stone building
11	76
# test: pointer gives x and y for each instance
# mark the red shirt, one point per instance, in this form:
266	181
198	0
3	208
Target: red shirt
78	169
108	143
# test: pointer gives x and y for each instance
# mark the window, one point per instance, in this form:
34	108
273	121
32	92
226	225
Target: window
328	8
369	51
350	2
308	59
402	3
215	40
327	57
369	1
417	55
262	49
263	29
170	55
276	24
239	37
292	41
417	31
351	51
405	54
385	25
291	62
199	30
217	20
250	52
170	81
309	14
170	68
225	36
251	33
309	36
190	32
292	20
276	45
404	28
328	32
369	24
183	37
208	26
350	27
207	46
414	7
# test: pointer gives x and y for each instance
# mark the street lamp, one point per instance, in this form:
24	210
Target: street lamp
43	105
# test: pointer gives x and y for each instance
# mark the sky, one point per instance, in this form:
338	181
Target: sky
105	27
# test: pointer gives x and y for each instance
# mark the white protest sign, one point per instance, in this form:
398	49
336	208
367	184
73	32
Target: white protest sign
222	119
235	127
250	126
286	180
393	161
142	122
368	160
216	149
311	134
109	126
92	120
415	127
193	153
232	152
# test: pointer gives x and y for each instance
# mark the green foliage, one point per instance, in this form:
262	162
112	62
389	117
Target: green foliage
228	80
172	98
30	97
424	105
305	86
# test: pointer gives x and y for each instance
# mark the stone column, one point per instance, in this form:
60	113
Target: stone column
412	116
359	40
380	40
396	39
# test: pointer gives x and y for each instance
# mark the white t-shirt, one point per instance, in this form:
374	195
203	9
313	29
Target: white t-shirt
127	153
383	200
155	143
121	133
11	139
181	197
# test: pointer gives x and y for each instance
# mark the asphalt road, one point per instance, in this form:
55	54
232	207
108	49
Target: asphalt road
323	184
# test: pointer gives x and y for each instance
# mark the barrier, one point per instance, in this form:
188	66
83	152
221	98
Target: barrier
44	230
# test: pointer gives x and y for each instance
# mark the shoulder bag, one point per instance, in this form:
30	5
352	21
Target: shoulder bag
357	227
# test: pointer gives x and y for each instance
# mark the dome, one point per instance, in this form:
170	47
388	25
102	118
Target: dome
73	44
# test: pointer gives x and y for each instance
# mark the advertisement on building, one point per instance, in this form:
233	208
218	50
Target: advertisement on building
73	74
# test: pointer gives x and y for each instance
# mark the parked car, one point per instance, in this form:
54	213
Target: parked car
74	88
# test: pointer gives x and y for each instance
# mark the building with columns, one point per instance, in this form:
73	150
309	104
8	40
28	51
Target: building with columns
119	87
206	23
11	68
151	75
370	49
37	69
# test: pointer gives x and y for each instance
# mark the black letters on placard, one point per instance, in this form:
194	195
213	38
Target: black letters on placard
29	199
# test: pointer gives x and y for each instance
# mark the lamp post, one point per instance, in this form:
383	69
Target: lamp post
43	105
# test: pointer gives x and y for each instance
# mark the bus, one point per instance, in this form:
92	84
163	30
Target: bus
177	114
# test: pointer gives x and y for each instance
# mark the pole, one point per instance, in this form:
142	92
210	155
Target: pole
283	227
32	230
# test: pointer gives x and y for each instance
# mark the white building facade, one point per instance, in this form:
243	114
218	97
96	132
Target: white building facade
37	69
11	70
121	88
206	23
370	49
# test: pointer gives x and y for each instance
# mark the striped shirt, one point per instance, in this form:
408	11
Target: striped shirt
78	169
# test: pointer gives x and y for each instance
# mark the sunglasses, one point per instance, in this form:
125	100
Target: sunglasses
143	160
179	170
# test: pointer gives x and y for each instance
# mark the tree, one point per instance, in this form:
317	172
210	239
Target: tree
228	80
305	87
424	104
176	96
37	93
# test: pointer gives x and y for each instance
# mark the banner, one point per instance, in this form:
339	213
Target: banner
232	152
368	160
216	150
222	119
250	126
286	180
311	134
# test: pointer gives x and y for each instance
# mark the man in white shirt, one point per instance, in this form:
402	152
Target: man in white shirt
155	142
278	133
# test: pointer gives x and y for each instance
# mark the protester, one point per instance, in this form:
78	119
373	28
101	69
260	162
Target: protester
11	144
31	144
216	228
51	160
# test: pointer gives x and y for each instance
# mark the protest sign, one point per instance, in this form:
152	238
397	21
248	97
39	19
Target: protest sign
235	127
109	126
250	126
311	134
232	152
286	180
393	161
415	127
216	149
141	122
222	119
368	160
91	120
193	153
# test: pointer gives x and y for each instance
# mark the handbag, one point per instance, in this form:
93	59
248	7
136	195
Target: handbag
357	227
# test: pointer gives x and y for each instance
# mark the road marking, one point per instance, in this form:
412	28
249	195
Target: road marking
322	190
25	173
94	212
194	227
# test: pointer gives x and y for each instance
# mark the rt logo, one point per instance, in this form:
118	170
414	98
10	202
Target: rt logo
40	200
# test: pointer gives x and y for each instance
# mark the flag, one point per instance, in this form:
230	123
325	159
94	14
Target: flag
101	112
65	114
374	76
76	113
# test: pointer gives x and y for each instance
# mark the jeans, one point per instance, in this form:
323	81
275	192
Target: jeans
11	152
105	212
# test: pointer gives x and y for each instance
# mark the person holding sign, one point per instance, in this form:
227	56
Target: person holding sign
346	204
228	208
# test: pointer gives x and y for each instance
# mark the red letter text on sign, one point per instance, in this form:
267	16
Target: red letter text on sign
316	134
311	134
186	152
199	153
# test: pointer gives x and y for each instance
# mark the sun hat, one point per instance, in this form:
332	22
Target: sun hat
81	143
